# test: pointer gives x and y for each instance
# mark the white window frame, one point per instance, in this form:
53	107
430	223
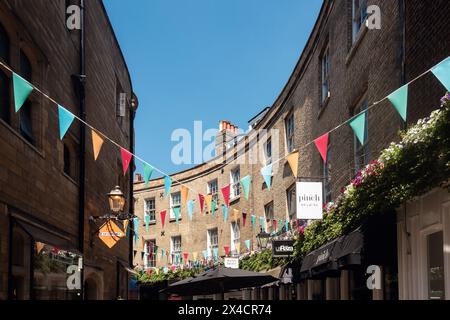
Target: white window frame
174	248
325	73
212	188
291	202
269	215
212	240
289	124
150	211
235	182
172	205
235	235
359	17
147	254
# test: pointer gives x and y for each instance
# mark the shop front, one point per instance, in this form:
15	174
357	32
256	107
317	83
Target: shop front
43	263
342	268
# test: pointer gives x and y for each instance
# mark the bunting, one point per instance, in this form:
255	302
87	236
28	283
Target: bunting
213	208
190	206
148	172
97	144
184	195
216	253
274	225
195	256
163	217
205	254
208	200
359	127
236	214
244	219
248	244
267	173
442	72
167	185
225	213
238	248
147	222
176	212
126	159
262	223
226	194
136	229
201	199
186	257
253	222
245	182
39	247
399	100
292	159
227	250
22	89
322	145
65	121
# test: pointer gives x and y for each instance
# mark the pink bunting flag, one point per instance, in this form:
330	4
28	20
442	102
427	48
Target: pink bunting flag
174	268
186	257
244	218
202	202
275	224
227	250
322	145
226	195
126	160
163	217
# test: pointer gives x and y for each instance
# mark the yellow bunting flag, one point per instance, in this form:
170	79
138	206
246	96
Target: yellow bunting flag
39	247
184	195
208	201
236	214
195	255
238	248
292	159
125	226
97	143
110	234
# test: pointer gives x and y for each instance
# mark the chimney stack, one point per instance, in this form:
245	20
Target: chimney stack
138	178
227	132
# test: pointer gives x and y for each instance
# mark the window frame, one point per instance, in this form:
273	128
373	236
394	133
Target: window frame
325	67
358	18
212	240
174	245
172	205
150	211
235	236
269	208
235	183
214	191
289	125
268	151
150	263
291	202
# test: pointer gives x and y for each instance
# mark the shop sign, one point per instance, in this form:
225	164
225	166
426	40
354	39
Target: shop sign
309	200
110	234
232	263
282	248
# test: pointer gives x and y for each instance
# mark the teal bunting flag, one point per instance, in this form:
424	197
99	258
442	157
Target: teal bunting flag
280	225
167	185
22	89
190	206
358	125
136	229
399	100
442	72
176	212
148	171
65	121
147	222
253	222
287	225
267	173
213	208
162	254
248	244
245	182
262	223
205	254
225	213
216	253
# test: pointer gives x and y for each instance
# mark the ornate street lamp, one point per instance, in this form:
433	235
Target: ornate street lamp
263	239
116	200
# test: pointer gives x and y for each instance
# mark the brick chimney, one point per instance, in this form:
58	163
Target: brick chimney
138	178
227	132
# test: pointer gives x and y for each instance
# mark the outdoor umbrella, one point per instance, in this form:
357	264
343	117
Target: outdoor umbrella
219	280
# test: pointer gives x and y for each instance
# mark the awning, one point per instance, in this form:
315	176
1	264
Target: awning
348	250
319	261
47	236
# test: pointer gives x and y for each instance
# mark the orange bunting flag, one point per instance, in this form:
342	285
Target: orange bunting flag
208	200
97	143
39	247
292	159
238	248
184	195
236	214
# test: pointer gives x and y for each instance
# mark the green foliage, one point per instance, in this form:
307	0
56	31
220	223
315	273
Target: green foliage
179	274
261	261
416	165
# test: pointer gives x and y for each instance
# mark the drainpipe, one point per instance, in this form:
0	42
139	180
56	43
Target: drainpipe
402	17
131	197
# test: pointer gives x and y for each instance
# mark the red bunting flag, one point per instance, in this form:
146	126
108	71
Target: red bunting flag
202	202
227	250
163	217
186	257
322	145
226	195
275	224
126	159
174	268
244	218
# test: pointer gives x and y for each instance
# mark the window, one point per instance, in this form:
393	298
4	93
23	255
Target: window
213	241
5	102
362	152
150	209
175	202
325	74
359	16
292	205
326	168
26	128
235	183
289	124
268	211
213	190
268	151
150	254
235	236
435	266
175	249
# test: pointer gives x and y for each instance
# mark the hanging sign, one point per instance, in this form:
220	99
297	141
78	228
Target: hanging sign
282	248
309	200
232	263
110	234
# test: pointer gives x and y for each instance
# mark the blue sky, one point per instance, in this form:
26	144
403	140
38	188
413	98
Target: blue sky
207	60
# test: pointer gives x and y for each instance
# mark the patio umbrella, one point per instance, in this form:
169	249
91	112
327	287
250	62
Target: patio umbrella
219	280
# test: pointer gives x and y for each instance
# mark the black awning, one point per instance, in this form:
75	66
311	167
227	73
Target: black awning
319	261
49	237
348	251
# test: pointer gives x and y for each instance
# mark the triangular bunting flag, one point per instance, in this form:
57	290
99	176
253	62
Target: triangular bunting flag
65	121
280	224
195	255
208	200
184	195
322	145
186	257
245	182
267	173
167	185
39	247
190	206
201	199
244	219
22	89
236	214
225	213
126	159
274	225
287	225
358	125
226	194
238	248
148	171
176	212
292	159
227	250
442	72
136	229
213	208
163	217
248	244
97	144
399	100
147	222
262	223
253	222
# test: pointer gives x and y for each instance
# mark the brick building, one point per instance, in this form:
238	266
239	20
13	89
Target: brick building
344	68
50	188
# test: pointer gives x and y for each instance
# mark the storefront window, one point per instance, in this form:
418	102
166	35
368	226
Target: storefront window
435	266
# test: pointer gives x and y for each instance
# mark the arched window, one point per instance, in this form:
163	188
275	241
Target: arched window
5	102
26	128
